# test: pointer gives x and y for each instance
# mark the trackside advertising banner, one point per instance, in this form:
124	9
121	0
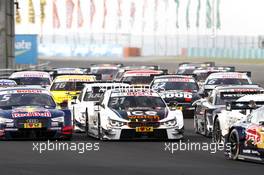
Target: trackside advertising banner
26	49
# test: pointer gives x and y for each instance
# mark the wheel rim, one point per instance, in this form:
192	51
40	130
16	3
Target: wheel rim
233	144
205	126
195	124
217	133
86	123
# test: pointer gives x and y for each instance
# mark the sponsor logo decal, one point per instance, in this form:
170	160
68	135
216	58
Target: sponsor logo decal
31	114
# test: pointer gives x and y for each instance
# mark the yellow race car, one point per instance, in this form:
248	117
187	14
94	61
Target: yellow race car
66	87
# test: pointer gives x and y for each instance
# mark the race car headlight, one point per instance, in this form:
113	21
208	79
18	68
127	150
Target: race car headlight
116	123
5	120
58	119
170	123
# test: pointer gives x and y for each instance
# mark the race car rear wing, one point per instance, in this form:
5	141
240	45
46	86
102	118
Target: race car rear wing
151	67
243	105
248	73
98	76
111	64
204	64
236	95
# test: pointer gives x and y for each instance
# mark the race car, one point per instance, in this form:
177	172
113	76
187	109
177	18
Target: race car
107	71
7	83
189	68
30	112
123	69
66	87
32	78
68	71
180	89
141	77
84	104
225	118
246	137
225	78
202	73
207	109
134	114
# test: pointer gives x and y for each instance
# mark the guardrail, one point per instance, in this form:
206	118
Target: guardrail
5	73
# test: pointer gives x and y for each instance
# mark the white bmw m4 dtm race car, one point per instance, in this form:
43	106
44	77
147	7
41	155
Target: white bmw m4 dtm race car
225	79
230	115
133	114
83	106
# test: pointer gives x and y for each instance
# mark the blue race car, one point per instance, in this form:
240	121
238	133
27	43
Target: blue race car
246	137
30	113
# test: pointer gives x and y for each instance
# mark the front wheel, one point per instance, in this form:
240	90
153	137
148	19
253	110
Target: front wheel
217	132
206	132
195	123
99	128
233	140
86	123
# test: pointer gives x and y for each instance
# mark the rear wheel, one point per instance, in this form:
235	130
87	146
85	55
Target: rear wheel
233	140
217	132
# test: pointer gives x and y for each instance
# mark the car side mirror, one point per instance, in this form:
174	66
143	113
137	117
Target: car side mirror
173	105
261	123
73	101
96	108
74	98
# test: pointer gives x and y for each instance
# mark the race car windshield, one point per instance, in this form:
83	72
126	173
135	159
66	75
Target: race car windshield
138	79
32	81
91	96
67	86
185	71
227	81
185	86
124	102
220	100
26	99
104	71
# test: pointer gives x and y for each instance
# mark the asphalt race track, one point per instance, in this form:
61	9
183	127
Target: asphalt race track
136	157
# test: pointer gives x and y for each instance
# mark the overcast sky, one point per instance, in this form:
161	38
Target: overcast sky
238	17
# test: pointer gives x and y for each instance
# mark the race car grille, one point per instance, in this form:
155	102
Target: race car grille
20	122
132	134
140	124
32	134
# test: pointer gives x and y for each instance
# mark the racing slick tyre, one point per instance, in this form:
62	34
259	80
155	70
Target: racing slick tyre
233	140
100	135
217	132
86	123
195	123
206	132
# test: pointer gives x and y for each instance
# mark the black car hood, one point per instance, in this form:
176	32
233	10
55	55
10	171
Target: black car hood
142	114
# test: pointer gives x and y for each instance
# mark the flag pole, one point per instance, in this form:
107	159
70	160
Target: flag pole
166	26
